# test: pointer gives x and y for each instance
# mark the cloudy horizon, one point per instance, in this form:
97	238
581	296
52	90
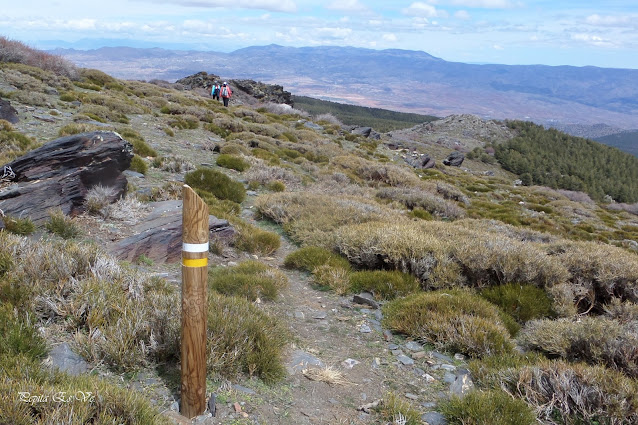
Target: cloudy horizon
513	32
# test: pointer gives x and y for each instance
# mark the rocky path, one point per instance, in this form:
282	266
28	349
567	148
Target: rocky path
341	361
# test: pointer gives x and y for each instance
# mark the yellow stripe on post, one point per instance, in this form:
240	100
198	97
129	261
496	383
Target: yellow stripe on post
194	262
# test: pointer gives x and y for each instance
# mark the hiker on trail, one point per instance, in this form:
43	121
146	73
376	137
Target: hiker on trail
226	93
215	91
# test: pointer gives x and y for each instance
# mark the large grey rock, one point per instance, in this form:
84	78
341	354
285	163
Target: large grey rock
300	360
421	161
64	359
60	173
455	159
159	235
434	418
462	385
8	112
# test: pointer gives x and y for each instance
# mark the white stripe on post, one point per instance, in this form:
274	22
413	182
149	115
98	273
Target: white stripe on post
195	247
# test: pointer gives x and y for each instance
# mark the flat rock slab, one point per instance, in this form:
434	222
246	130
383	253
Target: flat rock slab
300	360
159	236
64	359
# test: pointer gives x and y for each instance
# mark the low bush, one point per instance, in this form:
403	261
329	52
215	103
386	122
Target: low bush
217	183
61	225
396	411
18	226
252	239
98	197
233	149
140	147
416	197
276	186
77	128
574	394
595	340
19	335
493	407
457	321
384	284
332	277
522	302
233	162
310	257
250	279
244	339
138	164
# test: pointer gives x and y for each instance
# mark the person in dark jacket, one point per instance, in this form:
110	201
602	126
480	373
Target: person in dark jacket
215	91
225	93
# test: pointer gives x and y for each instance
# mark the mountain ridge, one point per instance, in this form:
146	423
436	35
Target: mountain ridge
402	80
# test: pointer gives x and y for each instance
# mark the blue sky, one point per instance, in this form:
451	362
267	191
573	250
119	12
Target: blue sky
555	32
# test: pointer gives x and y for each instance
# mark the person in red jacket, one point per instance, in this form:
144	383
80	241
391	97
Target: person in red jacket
226	93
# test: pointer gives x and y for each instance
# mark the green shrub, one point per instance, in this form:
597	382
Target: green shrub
396	411
574	394
233	149
220	208
140	147
250	279
276	186
71	129
221	132
523	302
453	320
243	338
384	284
332	277
252	239
61	225
309	258
217	183
138	165
18	334
232	162
595	340
18	226
493	407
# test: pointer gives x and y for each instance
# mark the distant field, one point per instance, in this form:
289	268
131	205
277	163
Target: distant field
626	141
381	120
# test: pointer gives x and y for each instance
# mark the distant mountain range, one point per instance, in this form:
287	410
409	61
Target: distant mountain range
402	80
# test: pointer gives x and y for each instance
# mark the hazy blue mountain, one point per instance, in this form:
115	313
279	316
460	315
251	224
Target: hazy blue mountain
403	80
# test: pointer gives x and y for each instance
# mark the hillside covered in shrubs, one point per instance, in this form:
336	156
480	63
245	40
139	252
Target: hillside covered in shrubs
533	287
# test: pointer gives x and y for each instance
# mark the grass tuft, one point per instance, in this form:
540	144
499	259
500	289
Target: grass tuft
493	407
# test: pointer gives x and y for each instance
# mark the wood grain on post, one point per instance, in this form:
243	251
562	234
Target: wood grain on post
194	303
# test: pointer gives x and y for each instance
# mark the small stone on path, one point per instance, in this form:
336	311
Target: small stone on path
350	363
405	360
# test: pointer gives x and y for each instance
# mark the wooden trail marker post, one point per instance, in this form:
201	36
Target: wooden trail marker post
194	303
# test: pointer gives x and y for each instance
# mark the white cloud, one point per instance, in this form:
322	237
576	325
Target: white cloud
592	39
463	15
421	10
498	47
484	4
610	21
390	37
271	5
334	32
347	5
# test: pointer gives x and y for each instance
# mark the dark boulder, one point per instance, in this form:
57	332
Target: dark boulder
422	161
455	159
159	236
264	92
60	173
8	112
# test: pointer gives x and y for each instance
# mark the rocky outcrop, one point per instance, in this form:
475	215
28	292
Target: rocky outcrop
367	132
8	112
60	173
264	92
455	159
201	80
419	160
159	236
